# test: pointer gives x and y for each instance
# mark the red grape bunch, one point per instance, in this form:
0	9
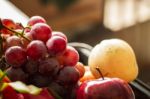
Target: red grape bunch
37	55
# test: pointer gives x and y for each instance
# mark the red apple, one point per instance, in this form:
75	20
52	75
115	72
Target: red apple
106	88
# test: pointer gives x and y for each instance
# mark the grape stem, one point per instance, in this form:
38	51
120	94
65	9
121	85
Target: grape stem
23	28
21	34
16	32
100	72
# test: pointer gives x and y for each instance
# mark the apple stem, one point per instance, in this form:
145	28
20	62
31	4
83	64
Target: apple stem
100	72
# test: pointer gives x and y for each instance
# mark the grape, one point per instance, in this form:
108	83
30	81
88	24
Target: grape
66	92
36	19
73	92
70	56
67	76
9	23
36	49
31	67
49	66
13	41
56	45
16	74
39	80
41	31
57	88
58	33
80	67
15	56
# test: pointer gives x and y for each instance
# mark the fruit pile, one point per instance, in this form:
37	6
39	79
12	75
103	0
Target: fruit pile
37	55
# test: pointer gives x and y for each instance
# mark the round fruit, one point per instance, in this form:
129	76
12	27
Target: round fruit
81	68
13	41
16	74
41	31
36	50
68	75
56	45
15	56
49	66
115	58
106	88
58	33
36	19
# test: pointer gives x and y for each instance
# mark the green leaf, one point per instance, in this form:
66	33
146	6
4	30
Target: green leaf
23	88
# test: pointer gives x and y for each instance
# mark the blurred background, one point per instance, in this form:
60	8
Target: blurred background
90	21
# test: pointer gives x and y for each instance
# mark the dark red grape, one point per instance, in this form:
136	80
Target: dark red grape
31	67
13	41
58	33
73	92
56	45
16	74
70	56
36	49
41	31
36	19
39	80
15	56
57	88
80	67
68	75
49	66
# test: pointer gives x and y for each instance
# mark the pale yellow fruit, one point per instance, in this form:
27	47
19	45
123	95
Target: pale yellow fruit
114	58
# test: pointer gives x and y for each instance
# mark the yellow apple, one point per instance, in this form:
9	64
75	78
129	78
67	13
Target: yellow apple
114	58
